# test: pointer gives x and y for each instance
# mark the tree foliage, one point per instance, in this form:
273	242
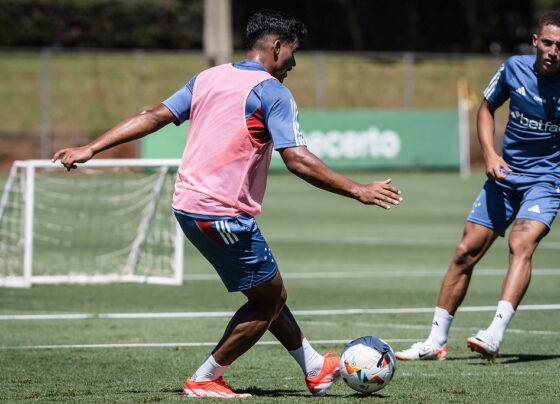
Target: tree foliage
375	25
409	25
159	24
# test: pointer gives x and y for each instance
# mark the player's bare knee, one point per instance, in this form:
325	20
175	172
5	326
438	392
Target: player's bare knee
465	257
270	301
520	248
281	301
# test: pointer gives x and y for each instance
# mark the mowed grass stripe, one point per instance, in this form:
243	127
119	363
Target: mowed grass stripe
400	241
373	274
178	344
409	310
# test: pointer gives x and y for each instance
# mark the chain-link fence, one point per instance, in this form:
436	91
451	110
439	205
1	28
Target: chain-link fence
54	98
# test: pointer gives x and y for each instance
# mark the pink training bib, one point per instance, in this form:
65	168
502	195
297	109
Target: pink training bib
223	171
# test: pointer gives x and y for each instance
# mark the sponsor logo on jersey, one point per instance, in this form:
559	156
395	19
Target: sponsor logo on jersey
540	125
534	209
539	99
521	90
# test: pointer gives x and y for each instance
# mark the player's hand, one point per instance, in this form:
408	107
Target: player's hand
495	167
380	193
69	157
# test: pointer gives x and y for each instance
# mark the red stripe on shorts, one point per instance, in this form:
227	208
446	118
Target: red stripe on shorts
206	227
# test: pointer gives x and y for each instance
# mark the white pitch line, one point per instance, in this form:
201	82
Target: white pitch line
207	314
48	316
173	344
385	274
500	372
427	327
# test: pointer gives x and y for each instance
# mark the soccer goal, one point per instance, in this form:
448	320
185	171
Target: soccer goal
108	221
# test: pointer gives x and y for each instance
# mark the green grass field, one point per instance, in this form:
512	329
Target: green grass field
335	254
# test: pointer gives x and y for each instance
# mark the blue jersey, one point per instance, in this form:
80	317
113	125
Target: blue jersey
270	111
531	139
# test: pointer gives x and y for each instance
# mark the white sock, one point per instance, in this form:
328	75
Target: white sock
209	370
503	316
440	327
308	359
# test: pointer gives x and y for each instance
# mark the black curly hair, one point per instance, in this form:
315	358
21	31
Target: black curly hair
272	22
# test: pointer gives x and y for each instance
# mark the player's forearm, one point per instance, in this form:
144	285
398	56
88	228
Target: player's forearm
485	127
132	128
311	169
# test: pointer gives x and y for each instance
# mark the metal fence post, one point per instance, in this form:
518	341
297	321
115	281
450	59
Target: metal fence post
46	128
139	70
408	79
320	81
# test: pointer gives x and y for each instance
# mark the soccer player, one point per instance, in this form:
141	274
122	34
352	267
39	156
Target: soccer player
523	187
238	113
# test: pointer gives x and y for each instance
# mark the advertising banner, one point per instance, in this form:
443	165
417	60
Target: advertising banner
355	139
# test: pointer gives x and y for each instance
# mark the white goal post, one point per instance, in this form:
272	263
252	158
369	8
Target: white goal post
108	221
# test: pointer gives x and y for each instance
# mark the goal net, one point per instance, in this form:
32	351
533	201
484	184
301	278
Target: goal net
107	221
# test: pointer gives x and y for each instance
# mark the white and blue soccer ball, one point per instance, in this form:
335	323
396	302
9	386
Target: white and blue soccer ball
367	364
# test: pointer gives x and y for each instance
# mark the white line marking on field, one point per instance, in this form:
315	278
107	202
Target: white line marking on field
385	274
175	344
48	317
428	327
499	372
207	314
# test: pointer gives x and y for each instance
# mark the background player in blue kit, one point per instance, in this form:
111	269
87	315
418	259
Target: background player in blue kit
523	187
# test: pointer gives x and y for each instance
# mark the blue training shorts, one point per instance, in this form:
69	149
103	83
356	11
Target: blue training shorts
518	196
233	245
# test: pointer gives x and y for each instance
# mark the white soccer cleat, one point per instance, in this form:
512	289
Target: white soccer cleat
485	344
422	350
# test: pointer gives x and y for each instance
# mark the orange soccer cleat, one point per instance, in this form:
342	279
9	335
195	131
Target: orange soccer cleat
213	388
329	374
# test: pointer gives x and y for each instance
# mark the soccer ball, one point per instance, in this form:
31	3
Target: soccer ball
367	364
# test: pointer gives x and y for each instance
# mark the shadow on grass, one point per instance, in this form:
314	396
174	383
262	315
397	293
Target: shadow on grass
258	392
521	358
255	391
364	395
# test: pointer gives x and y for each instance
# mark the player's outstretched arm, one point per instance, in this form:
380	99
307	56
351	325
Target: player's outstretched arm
138	125
309	167
485	126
